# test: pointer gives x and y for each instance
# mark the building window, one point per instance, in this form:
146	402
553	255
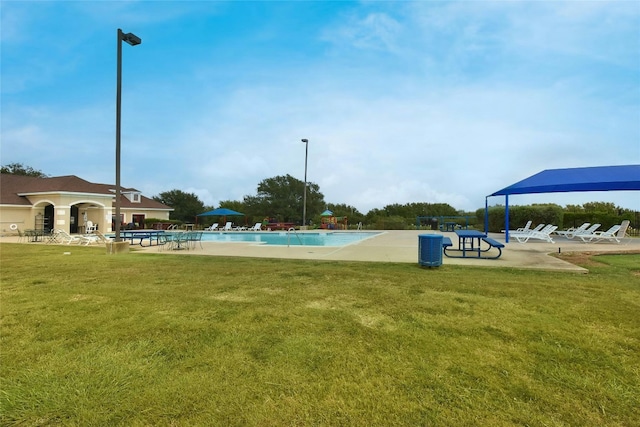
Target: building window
133	197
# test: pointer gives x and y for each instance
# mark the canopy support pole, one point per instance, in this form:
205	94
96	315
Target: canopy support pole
506	218
486	214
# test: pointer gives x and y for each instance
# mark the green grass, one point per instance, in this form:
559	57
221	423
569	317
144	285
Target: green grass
150	339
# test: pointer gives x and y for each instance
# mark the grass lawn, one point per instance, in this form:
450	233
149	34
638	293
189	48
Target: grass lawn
174	340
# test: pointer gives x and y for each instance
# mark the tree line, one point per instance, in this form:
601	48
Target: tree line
281	199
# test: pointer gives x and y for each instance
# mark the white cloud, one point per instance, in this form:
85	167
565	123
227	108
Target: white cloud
441	102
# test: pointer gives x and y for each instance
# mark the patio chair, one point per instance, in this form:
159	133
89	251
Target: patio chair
571	232
227	226
165	241
213	227
91	227
194	237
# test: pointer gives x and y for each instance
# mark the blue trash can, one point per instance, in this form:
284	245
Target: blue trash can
430	250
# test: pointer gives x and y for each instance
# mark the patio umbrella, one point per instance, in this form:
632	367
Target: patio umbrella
223	212
327	213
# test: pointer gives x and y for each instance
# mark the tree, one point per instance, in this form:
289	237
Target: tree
20	169
234	205
186	205
238	206
410	211
603	207
281	197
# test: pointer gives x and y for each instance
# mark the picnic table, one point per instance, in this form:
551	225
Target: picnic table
142	235
450	226
470	245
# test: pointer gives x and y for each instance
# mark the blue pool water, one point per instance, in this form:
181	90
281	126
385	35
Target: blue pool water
293	239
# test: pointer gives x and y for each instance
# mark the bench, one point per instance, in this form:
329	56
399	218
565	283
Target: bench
493	244
446	242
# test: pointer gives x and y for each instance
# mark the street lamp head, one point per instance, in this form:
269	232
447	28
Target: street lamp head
305	140
132	39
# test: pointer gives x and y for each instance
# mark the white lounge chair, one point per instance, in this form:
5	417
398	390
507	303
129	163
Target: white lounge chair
526	232
95	238
256	227
616	232
586	234
61	236
527	227
213	227
571	232
227	227
543	234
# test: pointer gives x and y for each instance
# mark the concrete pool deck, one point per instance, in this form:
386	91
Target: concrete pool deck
402	246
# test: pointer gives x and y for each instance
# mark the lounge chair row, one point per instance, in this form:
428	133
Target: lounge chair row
229	227
61	236
614	233
587	232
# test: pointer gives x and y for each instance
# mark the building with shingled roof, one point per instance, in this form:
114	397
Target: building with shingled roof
69	203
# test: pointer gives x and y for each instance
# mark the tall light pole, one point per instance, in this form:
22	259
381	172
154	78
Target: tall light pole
133	40
304	199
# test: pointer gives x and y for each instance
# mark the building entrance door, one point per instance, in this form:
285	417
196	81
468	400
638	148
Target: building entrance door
74	220
138	221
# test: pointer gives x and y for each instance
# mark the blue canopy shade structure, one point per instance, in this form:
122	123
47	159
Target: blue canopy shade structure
221	212
601	178
604	178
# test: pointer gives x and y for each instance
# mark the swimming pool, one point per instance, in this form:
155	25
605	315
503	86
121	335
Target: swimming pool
292	239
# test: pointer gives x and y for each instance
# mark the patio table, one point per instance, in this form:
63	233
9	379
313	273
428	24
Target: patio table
34	235
177	240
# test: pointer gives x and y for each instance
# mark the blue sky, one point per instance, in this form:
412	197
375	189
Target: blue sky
439	102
